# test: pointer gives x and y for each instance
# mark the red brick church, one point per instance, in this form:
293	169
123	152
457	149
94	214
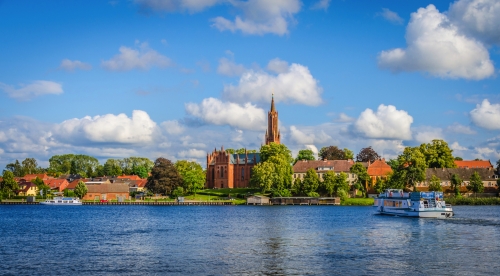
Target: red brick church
225	170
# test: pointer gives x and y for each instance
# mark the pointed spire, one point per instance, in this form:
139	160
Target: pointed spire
272	104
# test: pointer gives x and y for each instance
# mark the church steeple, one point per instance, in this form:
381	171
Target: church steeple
272	132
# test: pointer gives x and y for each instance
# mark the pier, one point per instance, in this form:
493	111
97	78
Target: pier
158	203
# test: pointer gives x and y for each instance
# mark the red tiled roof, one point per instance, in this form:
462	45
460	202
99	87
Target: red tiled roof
26	185
42	176
378	168
108	188
131	177
473	164
56	183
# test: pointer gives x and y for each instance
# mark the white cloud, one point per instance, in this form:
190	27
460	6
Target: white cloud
143	58
391	16
277	66
230	68
427	134
478	18
321	5
458	128
296	85
109	128
214	111
387	123
343	118
486	115
313	148
192	6
436	46
456	147
37	88
260	17
308	136
192	153
173	127
71	65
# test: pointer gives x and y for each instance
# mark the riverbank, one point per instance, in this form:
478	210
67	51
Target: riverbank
472	201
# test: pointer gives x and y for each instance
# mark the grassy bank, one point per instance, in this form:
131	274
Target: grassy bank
357	202
473	201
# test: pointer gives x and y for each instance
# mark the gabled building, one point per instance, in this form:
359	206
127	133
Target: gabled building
323	166
108	191
488	176
474	164
57	185
27	188
226	170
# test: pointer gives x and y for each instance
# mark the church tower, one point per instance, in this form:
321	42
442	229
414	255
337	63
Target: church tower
272	132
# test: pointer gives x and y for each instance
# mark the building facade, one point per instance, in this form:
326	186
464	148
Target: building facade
323	166
488	177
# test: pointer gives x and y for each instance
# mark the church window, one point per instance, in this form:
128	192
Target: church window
242	173
221	173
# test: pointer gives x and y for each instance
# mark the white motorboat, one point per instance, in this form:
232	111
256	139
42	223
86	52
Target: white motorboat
414	204
62	201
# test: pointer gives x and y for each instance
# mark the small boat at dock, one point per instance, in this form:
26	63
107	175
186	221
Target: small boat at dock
62	201
396	202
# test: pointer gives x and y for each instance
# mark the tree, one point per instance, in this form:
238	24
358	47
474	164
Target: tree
8	184
498	185
15	168
193	176
435	184
275	171
475	184
341	183
81	189
297	188
112	167
456	182
179	191
367	155
380	185
362	176
127	165
437	154
348	154
140	171
310	182
393	163
411	168
331	153
328	184
72	163
305	154
458	158
164	177
30	166
498	166
273	149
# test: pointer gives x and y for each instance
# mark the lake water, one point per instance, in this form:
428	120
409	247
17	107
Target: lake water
245	240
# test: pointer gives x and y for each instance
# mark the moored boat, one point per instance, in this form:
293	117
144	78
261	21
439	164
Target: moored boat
62	201
414	204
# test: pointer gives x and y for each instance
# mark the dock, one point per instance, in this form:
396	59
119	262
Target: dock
149	203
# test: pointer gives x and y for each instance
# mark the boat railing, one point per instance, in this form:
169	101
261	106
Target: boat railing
448	205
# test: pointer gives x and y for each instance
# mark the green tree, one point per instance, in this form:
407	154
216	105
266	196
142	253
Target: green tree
275	171
68	193
437	154
81	189
164	177
328	184
475	184
112	167
140	171
305	154
393	163
8	184
367	155
331	153
411	169
348	154
341	183
362	176
498	185
435	184
193	176
456	182
273	149
310	182
30	166
72	163
458	158
297	188
15	168
179	191
127	165
380	185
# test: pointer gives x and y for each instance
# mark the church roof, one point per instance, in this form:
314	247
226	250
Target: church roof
234	158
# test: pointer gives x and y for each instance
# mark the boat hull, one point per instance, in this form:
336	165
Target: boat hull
59	204
419	214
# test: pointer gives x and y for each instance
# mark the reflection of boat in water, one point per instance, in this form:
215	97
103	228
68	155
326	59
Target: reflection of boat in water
62	201
415	204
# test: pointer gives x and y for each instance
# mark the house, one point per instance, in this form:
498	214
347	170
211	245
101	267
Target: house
138	185
322	166
27	188
31	177
257	200
107	191
377	169
130	177
57	185
488	176
470	164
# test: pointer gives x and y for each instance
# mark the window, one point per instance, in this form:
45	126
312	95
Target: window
221	173
242	173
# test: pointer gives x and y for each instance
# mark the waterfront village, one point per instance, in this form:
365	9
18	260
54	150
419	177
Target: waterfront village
268	176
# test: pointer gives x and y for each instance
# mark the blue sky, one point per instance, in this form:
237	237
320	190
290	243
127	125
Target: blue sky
178	78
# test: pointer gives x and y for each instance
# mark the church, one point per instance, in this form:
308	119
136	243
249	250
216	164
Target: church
225	170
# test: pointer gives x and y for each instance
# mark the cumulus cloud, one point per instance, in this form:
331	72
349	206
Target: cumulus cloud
71	65
391	16
35	89
260	17
191	6
228	67
142	58
435	45
173	127
386	123
486	115
295	85
308	136
458	128
456	147
427	134
478	18
109	128
277	66
344	118
192	153
321	5
214	111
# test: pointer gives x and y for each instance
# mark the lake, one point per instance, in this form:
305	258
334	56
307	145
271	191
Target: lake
245	240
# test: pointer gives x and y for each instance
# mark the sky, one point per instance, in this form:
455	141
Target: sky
179	78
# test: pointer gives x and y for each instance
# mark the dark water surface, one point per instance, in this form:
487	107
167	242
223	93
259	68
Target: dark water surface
243	240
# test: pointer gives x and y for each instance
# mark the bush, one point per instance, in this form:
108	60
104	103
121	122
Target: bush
312	194
179	191
473	201
342	194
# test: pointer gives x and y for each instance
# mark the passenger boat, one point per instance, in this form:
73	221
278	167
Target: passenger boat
62	201
414	204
